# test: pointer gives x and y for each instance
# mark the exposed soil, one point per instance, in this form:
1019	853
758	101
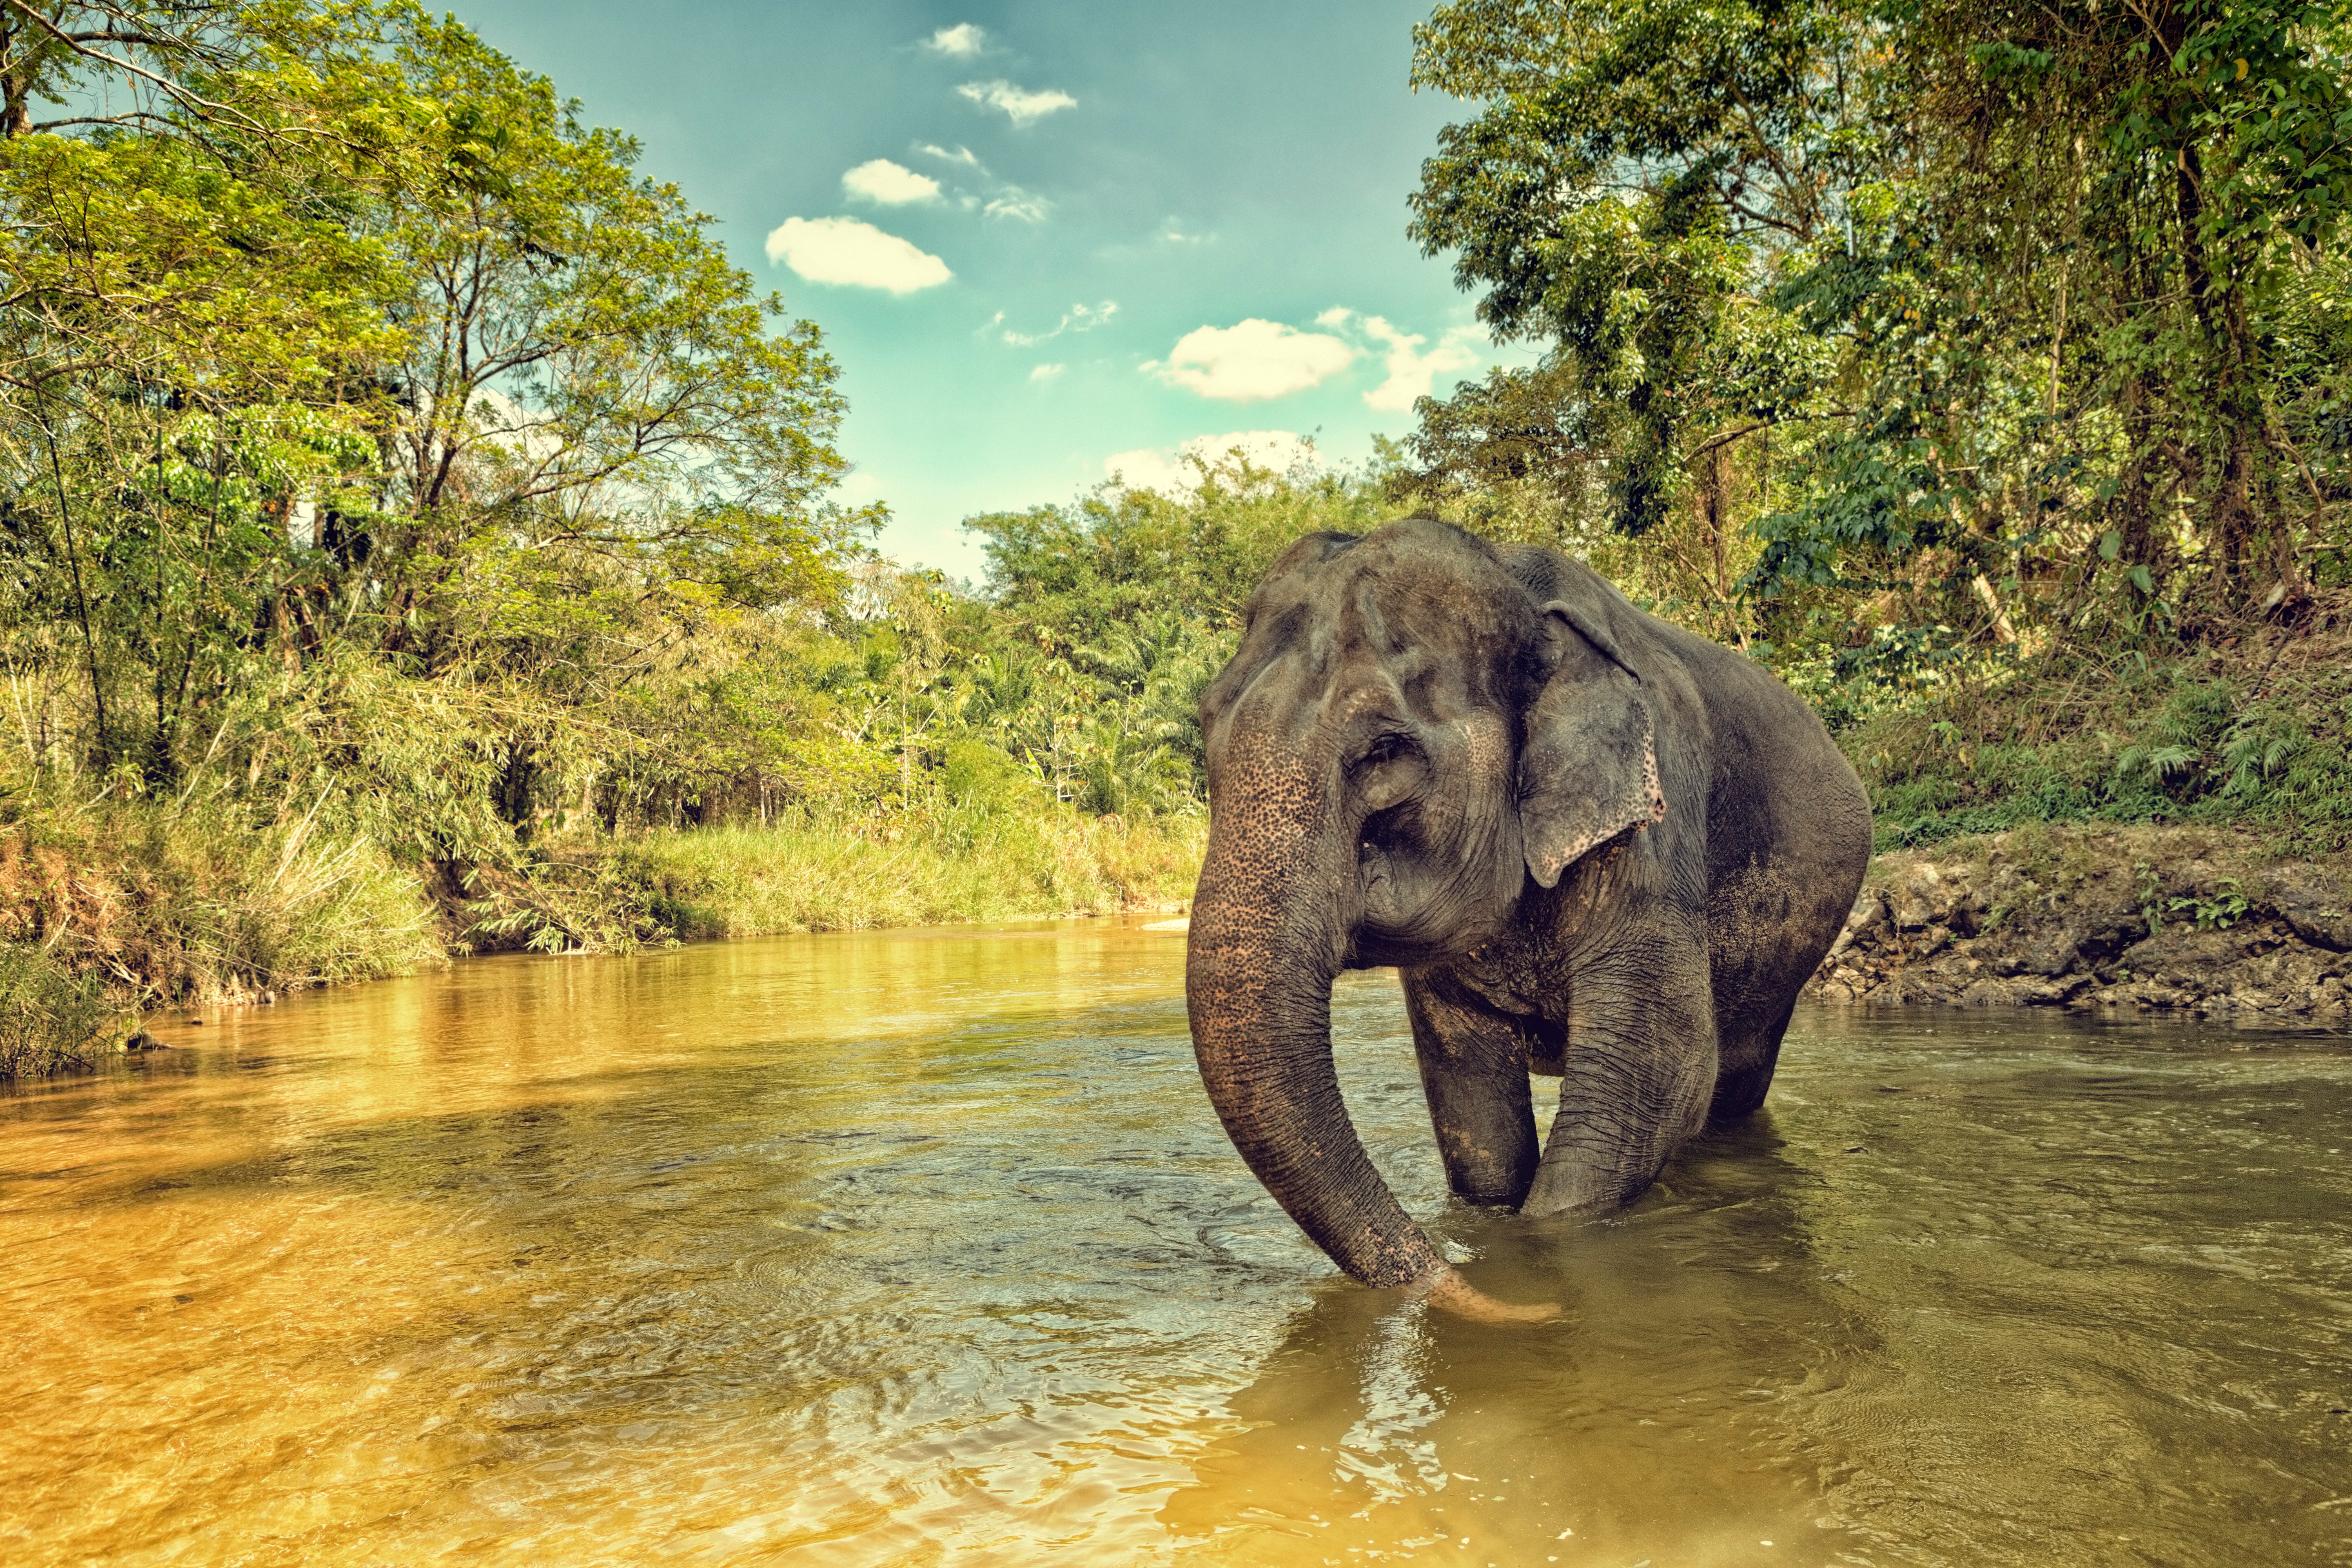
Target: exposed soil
2203	923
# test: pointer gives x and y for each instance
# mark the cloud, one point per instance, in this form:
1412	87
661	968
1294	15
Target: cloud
961	41
885	184
1412	374
845	250
1077	318
1173	471
1251	360
1006	201
1023	106
1045	372
1015	202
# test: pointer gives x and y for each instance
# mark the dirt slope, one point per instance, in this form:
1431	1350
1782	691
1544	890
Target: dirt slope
2208	923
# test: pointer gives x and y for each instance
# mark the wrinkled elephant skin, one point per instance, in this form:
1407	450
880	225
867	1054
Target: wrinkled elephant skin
1593	845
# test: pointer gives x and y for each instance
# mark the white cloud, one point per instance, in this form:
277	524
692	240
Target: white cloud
845	250
1077	318
885	183
1412	374
961	41
961	155
1015	202
1045	372
1251	360
1023	106
1175	470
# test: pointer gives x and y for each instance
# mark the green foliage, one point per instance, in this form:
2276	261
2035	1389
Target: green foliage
53	1017
2025	321
1111	614
2199	738
2219	909
164	901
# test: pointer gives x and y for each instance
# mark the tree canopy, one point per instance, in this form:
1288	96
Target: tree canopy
2034	312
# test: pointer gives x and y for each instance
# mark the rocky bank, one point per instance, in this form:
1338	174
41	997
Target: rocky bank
2205	923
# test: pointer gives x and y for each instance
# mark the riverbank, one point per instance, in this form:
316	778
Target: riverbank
114	912
2202	922
2215	885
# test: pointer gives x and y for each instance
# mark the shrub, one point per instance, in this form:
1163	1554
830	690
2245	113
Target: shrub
52	1018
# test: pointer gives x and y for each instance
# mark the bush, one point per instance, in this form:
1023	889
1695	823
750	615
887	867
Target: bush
2209	737
52	1019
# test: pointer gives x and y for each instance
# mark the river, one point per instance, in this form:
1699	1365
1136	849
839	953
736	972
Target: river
924	1248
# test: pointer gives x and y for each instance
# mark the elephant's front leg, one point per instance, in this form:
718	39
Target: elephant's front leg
1474	1068
1638	1073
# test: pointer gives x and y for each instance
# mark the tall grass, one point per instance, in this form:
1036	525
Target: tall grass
2251	733
53	1017
922	868
166	905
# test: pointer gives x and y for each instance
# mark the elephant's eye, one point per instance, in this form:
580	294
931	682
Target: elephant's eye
1387	773
1386	749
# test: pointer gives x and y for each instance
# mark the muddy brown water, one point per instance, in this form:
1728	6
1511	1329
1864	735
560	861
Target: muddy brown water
924	1248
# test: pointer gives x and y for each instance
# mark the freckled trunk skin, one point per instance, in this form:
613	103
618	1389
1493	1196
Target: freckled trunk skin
1264	950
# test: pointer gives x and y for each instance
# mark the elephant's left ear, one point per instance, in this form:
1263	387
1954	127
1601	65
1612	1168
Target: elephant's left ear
1589	768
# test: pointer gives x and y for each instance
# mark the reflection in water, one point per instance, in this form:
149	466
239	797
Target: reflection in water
924	1247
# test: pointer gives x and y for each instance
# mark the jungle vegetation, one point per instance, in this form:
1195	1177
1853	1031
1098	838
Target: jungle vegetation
417	534
1985	368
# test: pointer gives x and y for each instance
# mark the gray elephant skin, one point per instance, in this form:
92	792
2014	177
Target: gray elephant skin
1593	845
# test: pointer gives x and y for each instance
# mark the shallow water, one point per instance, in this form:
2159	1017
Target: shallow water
924	1248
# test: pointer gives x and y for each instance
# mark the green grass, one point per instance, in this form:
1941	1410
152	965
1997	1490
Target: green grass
110	910
925	868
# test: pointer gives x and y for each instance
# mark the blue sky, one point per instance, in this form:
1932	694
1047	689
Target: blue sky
1041	238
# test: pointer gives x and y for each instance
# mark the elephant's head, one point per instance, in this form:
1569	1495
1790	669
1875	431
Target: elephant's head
1406	738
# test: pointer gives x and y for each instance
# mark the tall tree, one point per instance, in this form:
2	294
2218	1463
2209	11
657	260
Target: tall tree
2009	283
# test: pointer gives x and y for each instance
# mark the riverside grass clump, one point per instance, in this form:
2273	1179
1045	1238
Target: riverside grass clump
817	874
53	1017
161	907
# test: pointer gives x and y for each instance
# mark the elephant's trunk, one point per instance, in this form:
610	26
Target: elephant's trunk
1267	943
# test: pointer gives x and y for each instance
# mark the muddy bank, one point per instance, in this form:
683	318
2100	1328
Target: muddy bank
2205	923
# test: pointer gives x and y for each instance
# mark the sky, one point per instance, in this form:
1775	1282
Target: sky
1048	242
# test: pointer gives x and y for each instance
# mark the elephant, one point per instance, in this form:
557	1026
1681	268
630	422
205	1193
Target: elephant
1594	844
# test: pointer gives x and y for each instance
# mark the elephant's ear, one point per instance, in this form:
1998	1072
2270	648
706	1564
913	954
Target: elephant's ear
1589	768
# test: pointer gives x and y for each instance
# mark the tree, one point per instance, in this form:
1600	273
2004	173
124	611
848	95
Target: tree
338	331
2020	298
